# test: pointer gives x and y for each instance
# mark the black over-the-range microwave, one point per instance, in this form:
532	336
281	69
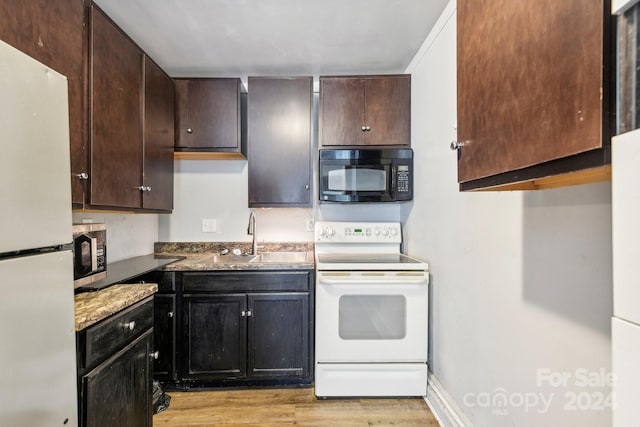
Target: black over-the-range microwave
366	175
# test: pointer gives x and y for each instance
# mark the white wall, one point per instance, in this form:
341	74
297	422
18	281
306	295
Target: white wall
218	189
521	281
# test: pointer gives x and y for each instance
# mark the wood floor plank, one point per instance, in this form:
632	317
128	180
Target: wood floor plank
288	407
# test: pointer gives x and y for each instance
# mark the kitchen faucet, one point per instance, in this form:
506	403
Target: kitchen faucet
252	231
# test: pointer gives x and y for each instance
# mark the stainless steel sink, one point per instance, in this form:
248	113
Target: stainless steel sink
282	257
233	259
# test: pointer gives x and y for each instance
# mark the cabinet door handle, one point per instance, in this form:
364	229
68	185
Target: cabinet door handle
249	313
130	325
189	130
456	145
170	314
155	355
82	176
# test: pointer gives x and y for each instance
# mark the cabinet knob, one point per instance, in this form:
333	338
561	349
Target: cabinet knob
155	355
141	188
82	176
170	314
456	145
130	325
189	130
368	128
306	187
246	313
148	188
364	128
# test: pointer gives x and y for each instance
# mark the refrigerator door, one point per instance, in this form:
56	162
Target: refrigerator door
37	332
35	163
625	202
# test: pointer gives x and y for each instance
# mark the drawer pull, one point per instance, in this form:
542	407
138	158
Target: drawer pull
130	325
155	355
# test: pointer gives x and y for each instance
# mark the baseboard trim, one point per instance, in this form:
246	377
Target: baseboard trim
443	406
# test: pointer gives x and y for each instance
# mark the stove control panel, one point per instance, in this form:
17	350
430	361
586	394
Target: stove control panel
358	232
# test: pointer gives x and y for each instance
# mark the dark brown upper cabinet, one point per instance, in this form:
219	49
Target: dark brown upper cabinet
534	93
365	110
279	141
208	114
55	33
116	116
158	138
131	123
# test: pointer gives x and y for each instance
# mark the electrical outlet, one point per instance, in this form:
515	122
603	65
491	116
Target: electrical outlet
309	224
209	225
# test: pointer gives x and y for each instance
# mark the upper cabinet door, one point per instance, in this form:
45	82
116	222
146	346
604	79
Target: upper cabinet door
341	111
531	87
116	116
279	141
158	138
208	114
388	110
365	110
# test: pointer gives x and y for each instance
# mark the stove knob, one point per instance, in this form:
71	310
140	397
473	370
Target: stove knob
394	232
377	231
323	232
385	232
331	231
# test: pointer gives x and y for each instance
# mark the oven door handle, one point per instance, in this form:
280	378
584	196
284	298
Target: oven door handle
402	279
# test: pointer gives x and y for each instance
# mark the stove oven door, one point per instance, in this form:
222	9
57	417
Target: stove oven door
371	317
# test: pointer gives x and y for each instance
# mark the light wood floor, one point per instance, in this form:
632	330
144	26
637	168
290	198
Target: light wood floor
288	407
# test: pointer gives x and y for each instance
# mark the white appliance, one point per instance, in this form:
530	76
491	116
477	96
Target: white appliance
625	324
371	312
38	353
625	337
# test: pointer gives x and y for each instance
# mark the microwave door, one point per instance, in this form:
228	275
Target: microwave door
357	179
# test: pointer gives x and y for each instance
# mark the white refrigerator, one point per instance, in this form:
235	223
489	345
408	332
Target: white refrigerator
37	333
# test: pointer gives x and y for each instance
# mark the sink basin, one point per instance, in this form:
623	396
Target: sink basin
283	257
233	259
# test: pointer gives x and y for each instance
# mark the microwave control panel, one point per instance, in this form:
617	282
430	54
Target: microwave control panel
403	178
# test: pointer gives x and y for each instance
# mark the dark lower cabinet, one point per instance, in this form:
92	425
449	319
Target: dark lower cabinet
217	336
164	309
245	328
115	369
278	335
118	391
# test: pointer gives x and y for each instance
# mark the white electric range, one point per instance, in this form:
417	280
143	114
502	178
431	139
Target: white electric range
371	312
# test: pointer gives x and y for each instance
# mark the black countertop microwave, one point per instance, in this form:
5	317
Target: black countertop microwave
366	175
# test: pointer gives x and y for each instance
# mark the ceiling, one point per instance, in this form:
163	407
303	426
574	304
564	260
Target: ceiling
240	38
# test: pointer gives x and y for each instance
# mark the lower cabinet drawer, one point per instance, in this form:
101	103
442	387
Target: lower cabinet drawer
298	281
111	334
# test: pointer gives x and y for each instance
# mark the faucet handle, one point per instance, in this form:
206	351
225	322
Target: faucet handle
237	251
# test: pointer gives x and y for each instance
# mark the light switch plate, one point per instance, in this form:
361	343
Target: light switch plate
209	225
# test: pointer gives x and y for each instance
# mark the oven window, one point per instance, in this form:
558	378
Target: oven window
354	178
372	317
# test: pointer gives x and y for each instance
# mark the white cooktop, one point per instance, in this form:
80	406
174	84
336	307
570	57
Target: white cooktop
358	246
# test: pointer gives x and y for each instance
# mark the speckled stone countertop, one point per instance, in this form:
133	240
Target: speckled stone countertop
200	255
92	307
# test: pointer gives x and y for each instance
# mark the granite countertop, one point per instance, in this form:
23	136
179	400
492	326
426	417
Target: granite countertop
201	256
92	307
